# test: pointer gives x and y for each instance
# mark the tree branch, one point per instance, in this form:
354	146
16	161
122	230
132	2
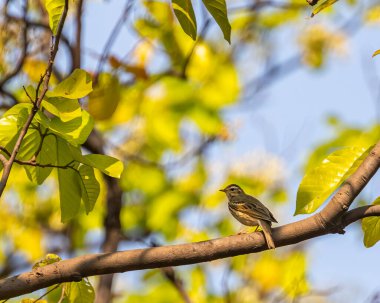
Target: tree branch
332	218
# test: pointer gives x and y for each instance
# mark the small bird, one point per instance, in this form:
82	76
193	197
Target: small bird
250	211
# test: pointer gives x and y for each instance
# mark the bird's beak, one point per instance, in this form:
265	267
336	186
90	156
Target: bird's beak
223	190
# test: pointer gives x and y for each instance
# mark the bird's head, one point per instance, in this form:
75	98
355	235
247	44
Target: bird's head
232	190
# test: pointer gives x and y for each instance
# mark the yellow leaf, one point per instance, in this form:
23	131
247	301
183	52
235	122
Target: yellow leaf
376	53
322	6
105	97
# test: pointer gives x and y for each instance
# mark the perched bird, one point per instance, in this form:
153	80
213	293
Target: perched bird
250	211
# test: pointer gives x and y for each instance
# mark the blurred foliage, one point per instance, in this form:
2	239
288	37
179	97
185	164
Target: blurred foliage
159	109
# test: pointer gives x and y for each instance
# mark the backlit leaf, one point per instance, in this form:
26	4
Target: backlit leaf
75	86
49	259
55	10
376	53
12	120
106	164
80	292
75	130
105	98
371	228
65	109
319	183
322	6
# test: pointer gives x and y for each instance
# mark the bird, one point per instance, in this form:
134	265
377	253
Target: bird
250	211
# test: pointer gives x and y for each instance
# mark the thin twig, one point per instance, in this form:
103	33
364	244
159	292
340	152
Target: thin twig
49	291
27	94
24	40
111	39
44	81
78	35
63	38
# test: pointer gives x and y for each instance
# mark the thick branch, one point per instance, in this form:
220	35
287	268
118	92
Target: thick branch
158	257
333	217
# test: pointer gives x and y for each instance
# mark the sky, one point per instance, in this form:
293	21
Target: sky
294	110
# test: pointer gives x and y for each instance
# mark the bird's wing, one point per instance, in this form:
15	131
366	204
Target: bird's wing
259	209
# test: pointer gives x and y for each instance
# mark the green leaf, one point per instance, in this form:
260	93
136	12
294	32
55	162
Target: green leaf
55	10
106	164
75	86
376	53
75	131
184	12
12	120
319	183
29	145
371	228
47	155
70	192
65	109
80	292
49	259
218	9
90	187
322	6
105	98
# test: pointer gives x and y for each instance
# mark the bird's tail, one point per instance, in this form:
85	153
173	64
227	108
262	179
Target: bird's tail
267	233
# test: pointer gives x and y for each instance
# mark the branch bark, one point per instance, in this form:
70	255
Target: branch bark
333	218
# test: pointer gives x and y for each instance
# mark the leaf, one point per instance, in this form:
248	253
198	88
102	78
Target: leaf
90	187
75	131
29	145
371	228
218	9
70	192
322	6
319	183
75	86
49	259
106	164
184	12
80	292
12	120
65	109
376	53
105	98
47	155
55	10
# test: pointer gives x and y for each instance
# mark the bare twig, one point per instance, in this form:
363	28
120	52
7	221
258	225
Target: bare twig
35	24
24	41
78	35
46	293
112	37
